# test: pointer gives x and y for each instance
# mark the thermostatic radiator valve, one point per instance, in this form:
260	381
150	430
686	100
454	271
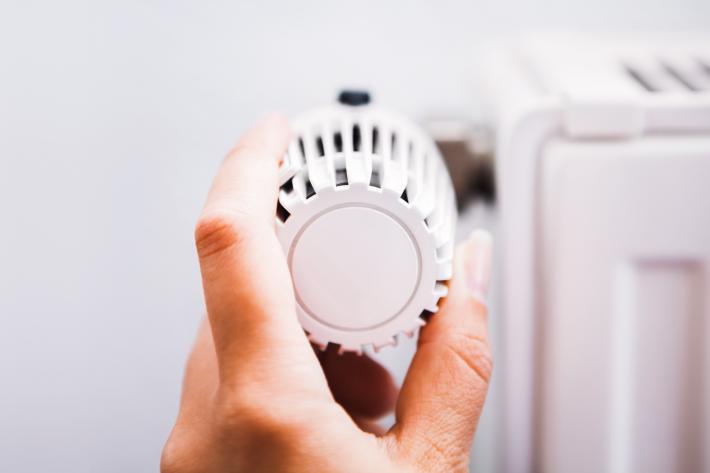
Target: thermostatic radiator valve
366	216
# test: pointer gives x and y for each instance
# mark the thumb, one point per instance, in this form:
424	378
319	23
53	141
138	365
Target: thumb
443	393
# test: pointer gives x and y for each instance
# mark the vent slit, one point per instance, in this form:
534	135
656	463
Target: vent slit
357	139
375	140
341	177
338	142
302	146
375	179
704	66
288	186
281	212
319	146
426	315
310	191
394	149
640	79
680	78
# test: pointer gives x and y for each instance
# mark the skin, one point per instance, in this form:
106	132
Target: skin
258	398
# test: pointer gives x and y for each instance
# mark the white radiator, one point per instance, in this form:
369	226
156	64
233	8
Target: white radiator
603	162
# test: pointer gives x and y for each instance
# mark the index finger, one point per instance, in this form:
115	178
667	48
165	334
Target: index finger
245	277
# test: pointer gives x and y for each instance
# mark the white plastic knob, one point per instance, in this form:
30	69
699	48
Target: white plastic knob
366	217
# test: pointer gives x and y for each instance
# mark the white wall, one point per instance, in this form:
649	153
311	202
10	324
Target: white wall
113	117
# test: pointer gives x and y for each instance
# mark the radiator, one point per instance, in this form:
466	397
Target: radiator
603	177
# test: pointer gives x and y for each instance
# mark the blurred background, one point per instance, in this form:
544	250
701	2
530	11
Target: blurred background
113	118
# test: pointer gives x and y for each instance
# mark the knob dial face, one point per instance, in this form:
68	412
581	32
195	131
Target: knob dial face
366	217
354	268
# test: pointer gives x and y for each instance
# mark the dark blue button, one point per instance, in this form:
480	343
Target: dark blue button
354	97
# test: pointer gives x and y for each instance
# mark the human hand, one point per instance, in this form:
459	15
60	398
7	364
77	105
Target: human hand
257	397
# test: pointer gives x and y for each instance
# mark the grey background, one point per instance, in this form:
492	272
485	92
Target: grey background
113	117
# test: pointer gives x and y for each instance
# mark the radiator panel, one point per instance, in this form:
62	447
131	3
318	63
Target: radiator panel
622	361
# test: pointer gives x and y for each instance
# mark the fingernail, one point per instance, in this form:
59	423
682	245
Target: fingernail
478	265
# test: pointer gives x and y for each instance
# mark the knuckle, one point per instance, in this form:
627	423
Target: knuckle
215	233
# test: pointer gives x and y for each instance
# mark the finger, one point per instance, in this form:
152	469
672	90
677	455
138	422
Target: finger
443	393
363	387
245	277
247	178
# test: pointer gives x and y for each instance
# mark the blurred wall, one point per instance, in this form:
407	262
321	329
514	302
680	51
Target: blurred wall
113	117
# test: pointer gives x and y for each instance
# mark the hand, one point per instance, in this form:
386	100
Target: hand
257	397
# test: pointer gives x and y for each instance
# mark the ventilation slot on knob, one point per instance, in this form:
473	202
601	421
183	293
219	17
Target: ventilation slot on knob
394	149
338	142
357	138
310	191
281	212
426	315
341	177
302	147
288	186
375	179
